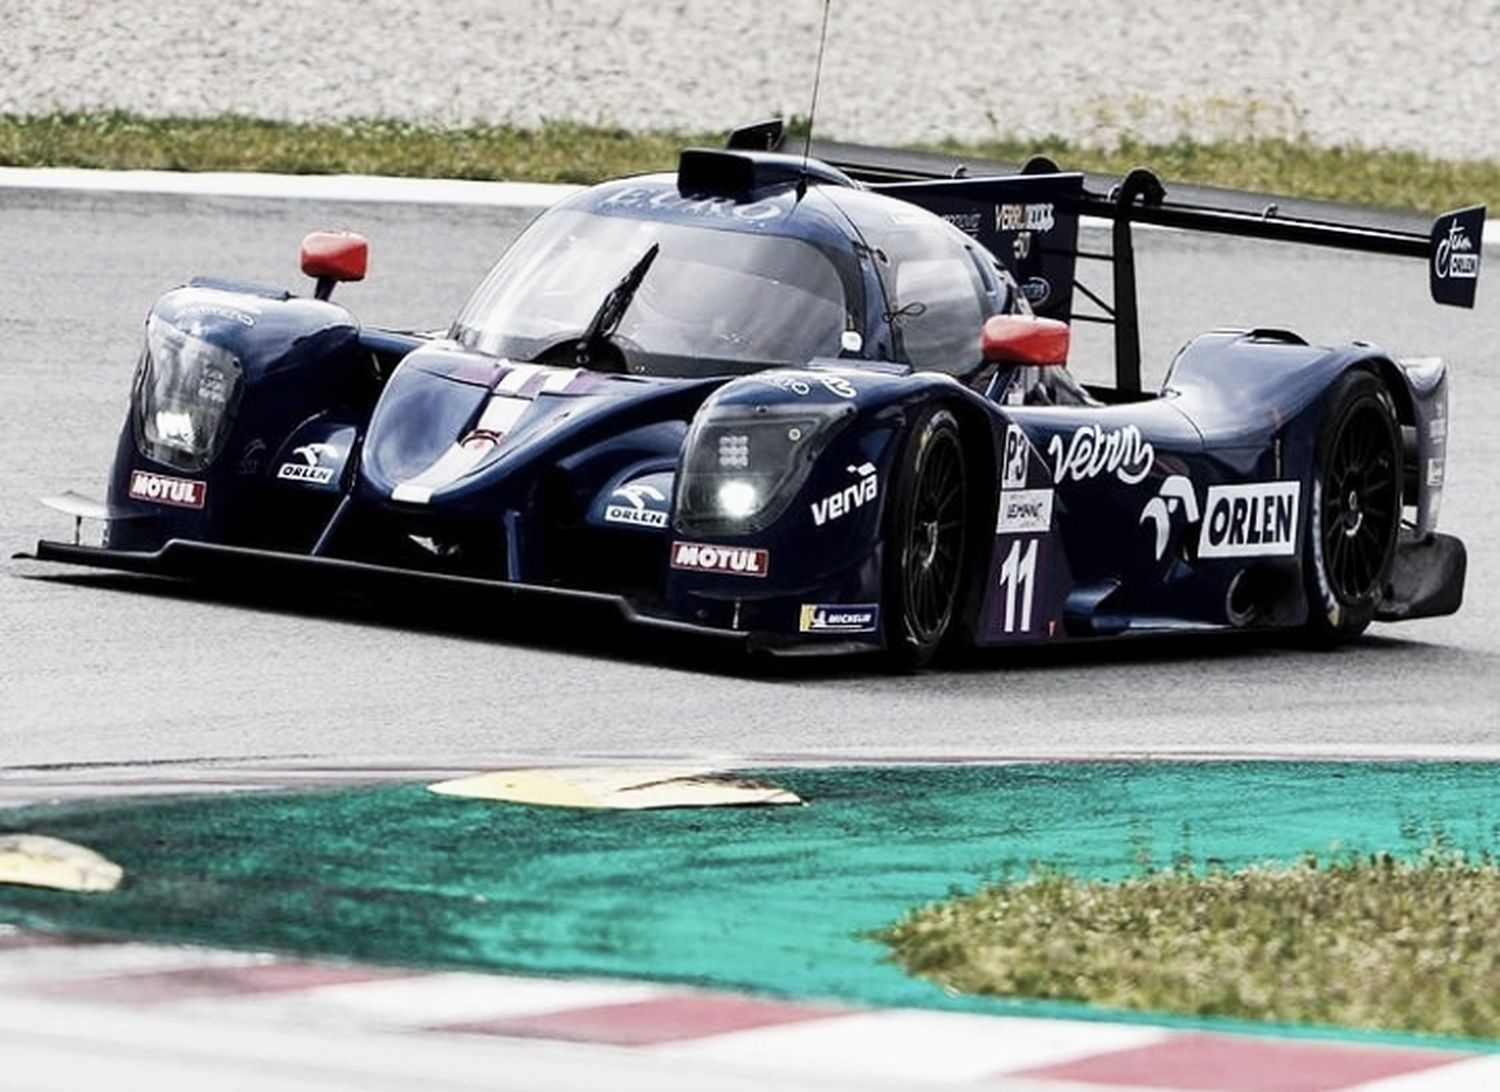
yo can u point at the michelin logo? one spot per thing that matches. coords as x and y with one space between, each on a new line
828 618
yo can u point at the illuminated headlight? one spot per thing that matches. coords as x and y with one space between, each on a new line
738 499
743 465
186 392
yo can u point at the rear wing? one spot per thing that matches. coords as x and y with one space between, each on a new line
1030 222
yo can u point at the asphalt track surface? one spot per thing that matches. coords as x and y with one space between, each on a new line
108 669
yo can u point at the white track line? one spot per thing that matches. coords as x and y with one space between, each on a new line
911 1045
425 1001
25 967
314 187
23 786
1471 1075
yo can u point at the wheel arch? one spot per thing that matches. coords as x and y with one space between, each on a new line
1398 389
978 437
1395 381
1335 615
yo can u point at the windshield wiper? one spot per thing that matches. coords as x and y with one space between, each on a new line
612 310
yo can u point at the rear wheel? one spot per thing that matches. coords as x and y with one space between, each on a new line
926 531
1356 509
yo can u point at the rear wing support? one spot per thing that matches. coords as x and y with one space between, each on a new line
1143 187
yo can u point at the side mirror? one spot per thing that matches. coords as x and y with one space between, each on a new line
333 256
1025 339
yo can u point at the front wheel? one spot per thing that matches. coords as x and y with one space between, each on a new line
925 534
1355 511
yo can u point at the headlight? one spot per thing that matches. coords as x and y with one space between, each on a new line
186 393
742 464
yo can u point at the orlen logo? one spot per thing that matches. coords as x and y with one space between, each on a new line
1256 520
637 511
312 468
735 560
160 489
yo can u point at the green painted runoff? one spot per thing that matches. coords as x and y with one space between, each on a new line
776 900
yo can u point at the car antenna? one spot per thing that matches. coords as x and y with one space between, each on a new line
813 109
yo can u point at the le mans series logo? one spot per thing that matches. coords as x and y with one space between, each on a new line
161 489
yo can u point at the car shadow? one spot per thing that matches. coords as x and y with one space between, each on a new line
585 629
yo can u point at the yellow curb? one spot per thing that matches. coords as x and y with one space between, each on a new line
35 860
632 789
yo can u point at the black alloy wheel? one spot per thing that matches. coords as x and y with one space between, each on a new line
1356 508
926 539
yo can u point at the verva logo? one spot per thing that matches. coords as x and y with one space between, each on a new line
160 489
846 500
735 560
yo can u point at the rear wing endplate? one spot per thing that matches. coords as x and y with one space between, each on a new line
1457 241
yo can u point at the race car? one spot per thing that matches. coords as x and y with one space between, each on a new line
806 408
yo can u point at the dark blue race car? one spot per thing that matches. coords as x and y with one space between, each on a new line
759 398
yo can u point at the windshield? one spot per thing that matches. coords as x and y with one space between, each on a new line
712 301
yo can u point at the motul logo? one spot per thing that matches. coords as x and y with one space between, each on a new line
160 489
737 560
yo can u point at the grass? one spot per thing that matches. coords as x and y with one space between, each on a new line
574 152
1372 943
557 152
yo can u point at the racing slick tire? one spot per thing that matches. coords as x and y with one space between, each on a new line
1355 512
926 536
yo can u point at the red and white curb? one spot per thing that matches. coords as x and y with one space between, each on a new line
725 1031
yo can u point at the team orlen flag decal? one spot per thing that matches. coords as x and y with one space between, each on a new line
733 560
161 489
1457 243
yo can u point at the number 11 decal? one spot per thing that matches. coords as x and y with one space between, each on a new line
1018 578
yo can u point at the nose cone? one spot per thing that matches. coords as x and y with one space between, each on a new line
421 416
